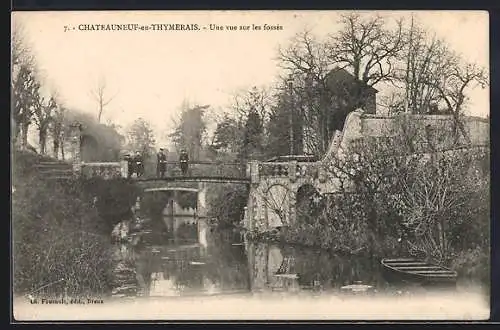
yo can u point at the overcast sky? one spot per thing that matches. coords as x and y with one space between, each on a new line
152 72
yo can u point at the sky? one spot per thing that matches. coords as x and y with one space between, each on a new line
150 73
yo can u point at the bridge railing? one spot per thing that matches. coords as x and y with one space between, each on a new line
106 170
202 168
291 169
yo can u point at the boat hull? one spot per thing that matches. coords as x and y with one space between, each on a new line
417 272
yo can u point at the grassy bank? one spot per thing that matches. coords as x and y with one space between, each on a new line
60 243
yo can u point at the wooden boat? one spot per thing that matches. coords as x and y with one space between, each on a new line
410 270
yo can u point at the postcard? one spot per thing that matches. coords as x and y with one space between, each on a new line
250 165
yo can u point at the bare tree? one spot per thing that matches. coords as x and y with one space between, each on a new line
99 95
24 84
432 75
424 62
57 130
402 184
25 98
20 50
304 90
43 116
364 46
276 200
257 99
453 86
367 47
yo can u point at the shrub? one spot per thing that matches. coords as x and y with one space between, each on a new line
58 240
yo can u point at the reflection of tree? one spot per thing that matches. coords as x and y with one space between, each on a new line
317 266
186 199
227 266
187 231
153 204
187 276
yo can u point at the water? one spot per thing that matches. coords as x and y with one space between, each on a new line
218 278
224 265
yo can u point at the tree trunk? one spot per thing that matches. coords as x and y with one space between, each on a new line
17 133
62 151
42 140
56 147
24 141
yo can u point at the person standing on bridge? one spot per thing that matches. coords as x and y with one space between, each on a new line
184 160
161 164
130 165
139 164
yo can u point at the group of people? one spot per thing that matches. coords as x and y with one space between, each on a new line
136 163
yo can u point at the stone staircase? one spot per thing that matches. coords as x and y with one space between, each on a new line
55 170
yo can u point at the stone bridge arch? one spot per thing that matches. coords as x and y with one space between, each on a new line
277 201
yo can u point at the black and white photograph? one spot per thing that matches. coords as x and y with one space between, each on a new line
250 165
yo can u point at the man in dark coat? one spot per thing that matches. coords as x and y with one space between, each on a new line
130 165
161 164
139 164
184 159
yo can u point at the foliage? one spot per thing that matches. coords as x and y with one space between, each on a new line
108 142
25 96
421 72
43 116
364 47
473 265
25 84
57 131
283 120
403 188
141 138
58 239
252 136
228 135
242 133
115 197
226 204
190 131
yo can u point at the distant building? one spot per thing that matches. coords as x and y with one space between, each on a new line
346 94
348 90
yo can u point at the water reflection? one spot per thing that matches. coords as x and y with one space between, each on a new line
289 268
222 265
185 268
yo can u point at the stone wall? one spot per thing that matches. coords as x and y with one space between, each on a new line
435 128
441 127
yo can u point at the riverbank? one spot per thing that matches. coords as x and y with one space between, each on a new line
268 306
472 265
61 244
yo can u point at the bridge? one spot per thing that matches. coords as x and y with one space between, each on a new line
174 215
276 185
198 179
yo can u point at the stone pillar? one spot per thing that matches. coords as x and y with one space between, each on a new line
201 213
202 231
124 168
201 208
292 201
292 170
76 132
254 172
